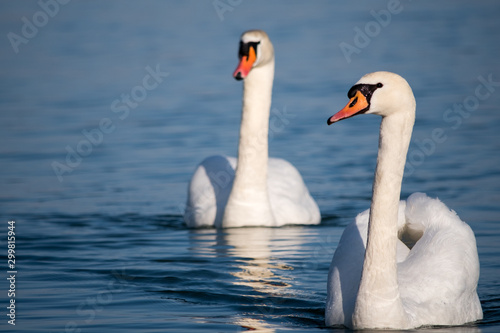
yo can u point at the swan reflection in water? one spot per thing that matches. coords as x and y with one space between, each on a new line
253 259
257 268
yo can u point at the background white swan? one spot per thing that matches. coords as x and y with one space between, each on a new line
420 266
253 190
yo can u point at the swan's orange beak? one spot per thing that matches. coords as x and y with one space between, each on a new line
356 104
245 65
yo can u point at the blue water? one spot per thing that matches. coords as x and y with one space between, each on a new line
101 244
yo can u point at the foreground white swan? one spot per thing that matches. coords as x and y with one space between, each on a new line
254 190
430 280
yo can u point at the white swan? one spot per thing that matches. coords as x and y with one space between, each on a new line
253 190
431 279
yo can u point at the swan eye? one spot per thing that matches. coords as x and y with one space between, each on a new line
354 101
379 85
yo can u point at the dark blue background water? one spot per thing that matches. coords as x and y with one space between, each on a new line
103 247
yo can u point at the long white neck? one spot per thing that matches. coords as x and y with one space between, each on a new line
378 304
248 203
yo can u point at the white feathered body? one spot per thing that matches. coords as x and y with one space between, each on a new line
437 277
212 182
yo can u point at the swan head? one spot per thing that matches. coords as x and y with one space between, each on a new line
380 93
255 50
